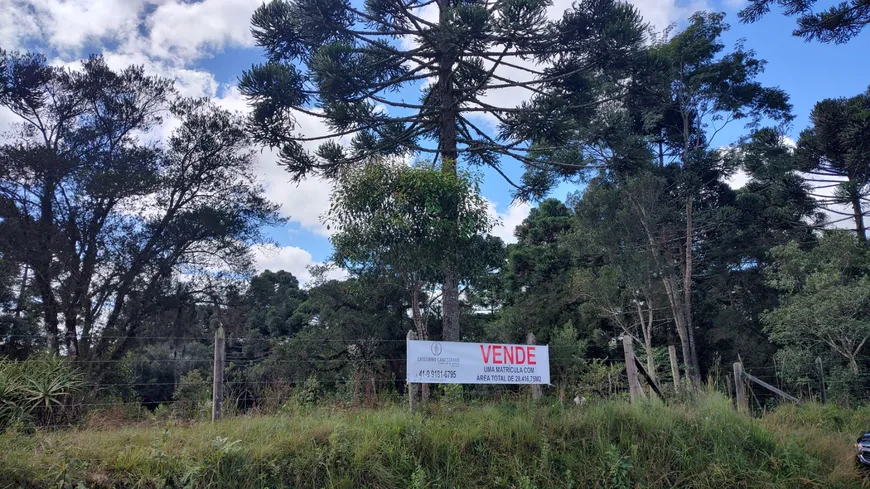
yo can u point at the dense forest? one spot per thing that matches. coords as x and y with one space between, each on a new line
122 252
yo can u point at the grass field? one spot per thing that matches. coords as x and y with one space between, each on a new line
606 445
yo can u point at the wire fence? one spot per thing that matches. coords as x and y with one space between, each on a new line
260 377
172 378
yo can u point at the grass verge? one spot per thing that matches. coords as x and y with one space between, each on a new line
609 445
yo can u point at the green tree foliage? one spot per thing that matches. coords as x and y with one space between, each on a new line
107 221
272 301
616 276
344 64
824 310
838 24
403 222
568 358
354 339
658 148
835 152
537 292
773 208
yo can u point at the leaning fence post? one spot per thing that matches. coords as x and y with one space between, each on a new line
412 388
536 388
675 368
631 368
740 388
217 390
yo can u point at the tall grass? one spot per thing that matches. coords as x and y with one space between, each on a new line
608 445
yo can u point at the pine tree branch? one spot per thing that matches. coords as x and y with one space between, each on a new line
825 172
839 213
515 66
398 104
408 55
415 19
398 29
355 129
409 76
510 83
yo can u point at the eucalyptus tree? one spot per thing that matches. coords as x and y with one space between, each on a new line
401 222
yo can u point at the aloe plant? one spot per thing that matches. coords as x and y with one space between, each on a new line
41 387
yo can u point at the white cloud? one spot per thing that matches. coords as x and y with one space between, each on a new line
189 82
738 179
662 13
289 258
6 120
305 202
192 30
19 24
67 25
166 29
508 220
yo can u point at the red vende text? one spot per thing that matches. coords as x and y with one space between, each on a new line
514 354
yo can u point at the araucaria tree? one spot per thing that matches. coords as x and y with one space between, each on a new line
835 154
839 23
412 78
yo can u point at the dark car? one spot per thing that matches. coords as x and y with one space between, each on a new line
862 448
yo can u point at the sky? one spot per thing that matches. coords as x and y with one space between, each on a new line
205 45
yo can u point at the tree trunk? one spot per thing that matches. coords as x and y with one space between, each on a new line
422 331
87 328
416 314
646 330
687 291
678 312
450 308
448 152
71 339
859 218
42 269
853 364
22 290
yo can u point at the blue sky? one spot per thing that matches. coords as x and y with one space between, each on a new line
206 44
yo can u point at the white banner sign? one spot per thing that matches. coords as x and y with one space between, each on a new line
448 362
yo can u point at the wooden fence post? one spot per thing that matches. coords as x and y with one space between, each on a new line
740 388
822 380
675 368
217 390
412 388
537 392
631 369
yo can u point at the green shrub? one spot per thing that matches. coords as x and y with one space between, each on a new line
39 391
309 393
192 396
